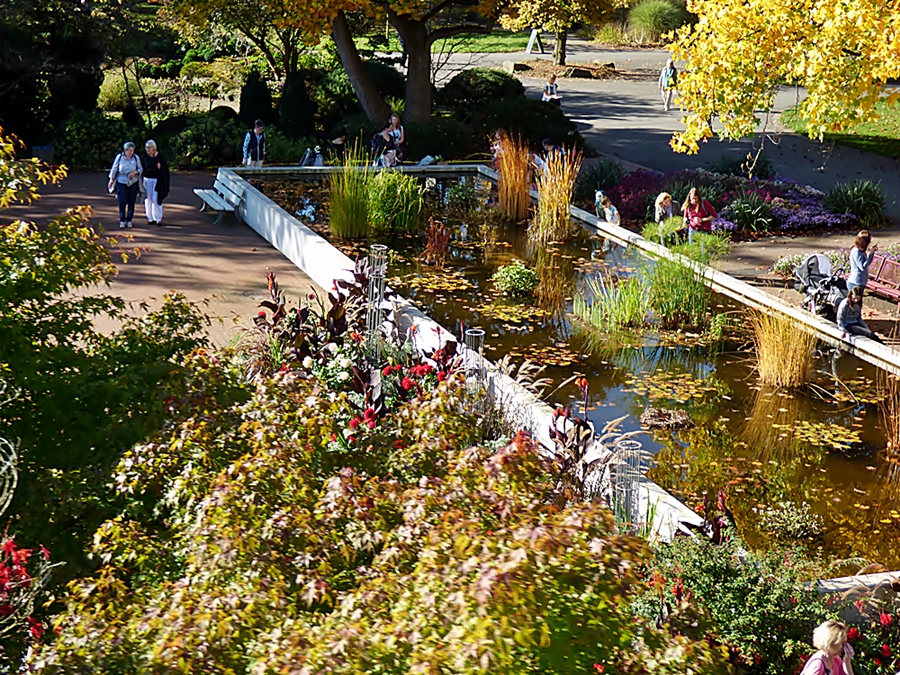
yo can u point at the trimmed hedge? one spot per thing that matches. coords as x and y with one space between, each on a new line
444 136
336 85
477 87
532 119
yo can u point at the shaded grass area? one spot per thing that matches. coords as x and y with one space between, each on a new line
881 137
497 41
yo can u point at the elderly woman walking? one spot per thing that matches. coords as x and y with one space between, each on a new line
156 182
125 179
860 261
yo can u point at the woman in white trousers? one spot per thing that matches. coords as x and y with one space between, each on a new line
156 182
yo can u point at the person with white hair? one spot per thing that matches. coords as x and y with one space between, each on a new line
156 182
124 180
834 652
668 82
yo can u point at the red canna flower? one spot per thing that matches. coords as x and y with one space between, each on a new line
371 424
853 633
387 371
406 384
369 414
885 651
886 619
355 422
877 661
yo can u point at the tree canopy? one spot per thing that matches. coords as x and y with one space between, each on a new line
740 51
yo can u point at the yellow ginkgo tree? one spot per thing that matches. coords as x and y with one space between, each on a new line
842 52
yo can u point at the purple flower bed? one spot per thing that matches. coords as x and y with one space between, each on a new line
791 206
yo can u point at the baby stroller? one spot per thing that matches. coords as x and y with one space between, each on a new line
823 288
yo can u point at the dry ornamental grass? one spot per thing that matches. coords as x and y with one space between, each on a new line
555 185
515 180
784 354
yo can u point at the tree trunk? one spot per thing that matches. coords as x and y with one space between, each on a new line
559 49
369 97
418 69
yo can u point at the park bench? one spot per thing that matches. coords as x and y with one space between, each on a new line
221 198
884 277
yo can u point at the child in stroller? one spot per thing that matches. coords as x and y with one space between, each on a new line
823 288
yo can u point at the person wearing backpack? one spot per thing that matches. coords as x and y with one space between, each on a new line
255 145
668 81
698 214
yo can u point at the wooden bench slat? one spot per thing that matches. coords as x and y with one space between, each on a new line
226 193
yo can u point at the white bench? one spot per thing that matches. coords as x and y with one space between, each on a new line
221 198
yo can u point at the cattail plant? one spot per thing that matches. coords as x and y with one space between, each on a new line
349 216
784 354
888 386
515 170
555 185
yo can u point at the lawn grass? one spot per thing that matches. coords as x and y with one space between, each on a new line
881 136
498 41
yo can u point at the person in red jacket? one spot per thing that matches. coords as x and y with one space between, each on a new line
698 213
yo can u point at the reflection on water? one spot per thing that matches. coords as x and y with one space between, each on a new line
769 449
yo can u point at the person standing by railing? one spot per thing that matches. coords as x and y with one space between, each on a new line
255 145
860 261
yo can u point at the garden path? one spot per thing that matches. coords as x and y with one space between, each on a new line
224 267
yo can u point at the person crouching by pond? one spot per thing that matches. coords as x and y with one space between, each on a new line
610 212
698 213
664 208
860 260
834 653
156 182
849 316
124 179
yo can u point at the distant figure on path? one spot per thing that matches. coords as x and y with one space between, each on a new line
551 92
255 145
668 82
125 180
849 316
698 213
156 182
859 261
834 652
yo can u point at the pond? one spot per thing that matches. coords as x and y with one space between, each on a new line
805 466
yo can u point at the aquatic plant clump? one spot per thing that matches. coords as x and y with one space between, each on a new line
555 185
678 297
395 202
614 304
349 208
515 177
783 354
516 279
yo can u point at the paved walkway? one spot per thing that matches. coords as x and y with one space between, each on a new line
224 266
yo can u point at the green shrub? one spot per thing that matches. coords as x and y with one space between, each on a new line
114 94
530 118
296 113
600 176
388 80
205 141
477 87
256 101
446 137
750 212
516 279
653 18
737 166
863 198
282 150
395 202
91 140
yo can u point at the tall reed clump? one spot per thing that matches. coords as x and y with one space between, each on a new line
515 183
678 297
349 207
396 201
613 305
888 386
784 354
555 185
437 238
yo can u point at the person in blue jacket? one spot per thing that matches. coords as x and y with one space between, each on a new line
860 260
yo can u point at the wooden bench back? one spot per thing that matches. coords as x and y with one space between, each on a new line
886 272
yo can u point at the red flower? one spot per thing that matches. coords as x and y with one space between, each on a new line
441 376
599 667
406 384
371 424
853 633
886 620
369 414
877 661
35 627
6 610
678 590
355 422
387 371
352 439
262 314
333 437
398 368
885 651
311 296
9 546
398 444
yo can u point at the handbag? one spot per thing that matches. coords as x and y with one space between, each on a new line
115 170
